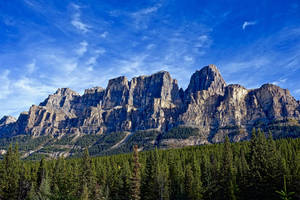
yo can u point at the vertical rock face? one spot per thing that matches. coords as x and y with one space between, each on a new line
6 125
116 93
276 102
6 120
208 78
156 102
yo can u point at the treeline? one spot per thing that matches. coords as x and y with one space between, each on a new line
261 168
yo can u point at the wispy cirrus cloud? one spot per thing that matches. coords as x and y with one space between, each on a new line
31 67
83 48
266 60
146 11
104 34
4 84
77 21
248 23
141 17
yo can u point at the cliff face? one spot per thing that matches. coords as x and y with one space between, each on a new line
156 103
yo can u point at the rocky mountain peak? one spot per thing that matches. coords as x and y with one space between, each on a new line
93 90
208 78
276 102
116 93
119 81
60 99
65 92
5 120
155 102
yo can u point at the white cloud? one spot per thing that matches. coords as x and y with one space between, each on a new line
59 62
250 63
90 68
75 6
203 41
104 34
147 11
142 17
77 22
92 60
188 58
100 51
82 49
280 81
31 67
70 67
248 23
150 46
4 84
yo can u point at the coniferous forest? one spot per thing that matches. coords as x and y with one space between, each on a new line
261 168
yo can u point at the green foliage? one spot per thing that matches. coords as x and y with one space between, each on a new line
87 140
135 193
25 142
181 132
284 194
105 142
280 128
35 156
50 149
245 170
66 140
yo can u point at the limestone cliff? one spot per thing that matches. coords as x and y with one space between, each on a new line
155 102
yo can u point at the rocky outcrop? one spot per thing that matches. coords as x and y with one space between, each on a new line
155 102
6 125
209 79
6 120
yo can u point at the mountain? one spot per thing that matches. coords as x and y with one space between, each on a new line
151 111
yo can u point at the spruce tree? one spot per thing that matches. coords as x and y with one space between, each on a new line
228 181
88 173
197 182
188 183
163 181
85 192
258 166
10 174
43 185
149 188
135 180
125 177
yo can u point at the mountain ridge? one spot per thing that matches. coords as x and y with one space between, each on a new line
156 103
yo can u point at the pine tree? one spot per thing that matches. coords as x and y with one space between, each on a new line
88 173
243 170
32 194
177 175
188 182
149 188
197 183
85 192
43 185
135 180
24 184
10 174
163 181
125 177
228 181
258 166
59 186
284 194
74 181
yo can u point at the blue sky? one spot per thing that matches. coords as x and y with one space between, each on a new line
47 45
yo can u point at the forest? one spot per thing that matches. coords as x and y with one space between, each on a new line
262 168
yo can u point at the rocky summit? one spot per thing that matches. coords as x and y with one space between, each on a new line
153 112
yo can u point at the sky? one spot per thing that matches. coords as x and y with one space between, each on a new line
45 45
